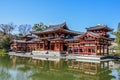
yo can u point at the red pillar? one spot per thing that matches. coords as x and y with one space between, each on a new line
44 46
61 46
84 51
68 48
72 49
100 49
78 49
103 50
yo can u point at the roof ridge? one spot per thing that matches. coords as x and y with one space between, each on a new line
64 23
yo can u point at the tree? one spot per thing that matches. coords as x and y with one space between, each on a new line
39 27
7 28
5 43
117 34
24 29
119 25
6 35
117 39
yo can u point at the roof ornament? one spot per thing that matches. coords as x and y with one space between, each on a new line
99 24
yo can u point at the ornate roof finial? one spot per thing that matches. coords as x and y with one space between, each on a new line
99 24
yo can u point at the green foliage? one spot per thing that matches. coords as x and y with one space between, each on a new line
117 40
39 27
114 33
6 35
2 52
5 43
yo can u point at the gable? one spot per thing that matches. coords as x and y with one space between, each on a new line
89 36
58 26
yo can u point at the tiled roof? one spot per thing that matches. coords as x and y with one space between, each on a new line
98 35
22 41
79 35
91 33
58 26
72 38
29 35
99 27
106 38
53 28
94 34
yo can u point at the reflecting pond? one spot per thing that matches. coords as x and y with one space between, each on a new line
18 68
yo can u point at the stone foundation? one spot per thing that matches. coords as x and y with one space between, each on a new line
48 53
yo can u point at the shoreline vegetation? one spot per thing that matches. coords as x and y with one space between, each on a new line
8 33
2 52
116 46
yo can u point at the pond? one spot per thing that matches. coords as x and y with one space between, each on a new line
18 68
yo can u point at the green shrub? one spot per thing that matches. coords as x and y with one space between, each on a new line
2 52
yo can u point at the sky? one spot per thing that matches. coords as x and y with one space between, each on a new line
78 14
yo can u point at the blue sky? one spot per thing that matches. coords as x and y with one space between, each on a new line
78 14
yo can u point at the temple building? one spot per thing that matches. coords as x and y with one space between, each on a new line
59 39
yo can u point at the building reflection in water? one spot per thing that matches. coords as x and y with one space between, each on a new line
90 70
77 69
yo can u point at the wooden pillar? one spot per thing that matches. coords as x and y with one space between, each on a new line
103 50
85 51
43 45
78 49
96 49
61 46
55 46
17 47
68 48
107 50
100 49
72 49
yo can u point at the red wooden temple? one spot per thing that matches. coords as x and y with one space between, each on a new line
60 38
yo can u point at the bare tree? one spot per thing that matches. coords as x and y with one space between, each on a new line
24 29
7 29
11 27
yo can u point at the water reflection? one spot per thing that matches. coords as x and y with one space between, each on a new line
18 68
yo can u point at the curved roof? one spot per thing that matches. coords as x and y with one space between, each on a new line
99 27
59 27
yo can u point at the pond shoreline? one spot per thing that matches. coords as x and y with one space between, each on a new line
86 58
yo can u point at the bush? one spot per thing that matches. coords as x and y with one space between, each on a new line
2 52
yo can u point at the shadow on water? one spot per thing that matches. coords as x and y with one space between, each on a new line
18 68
